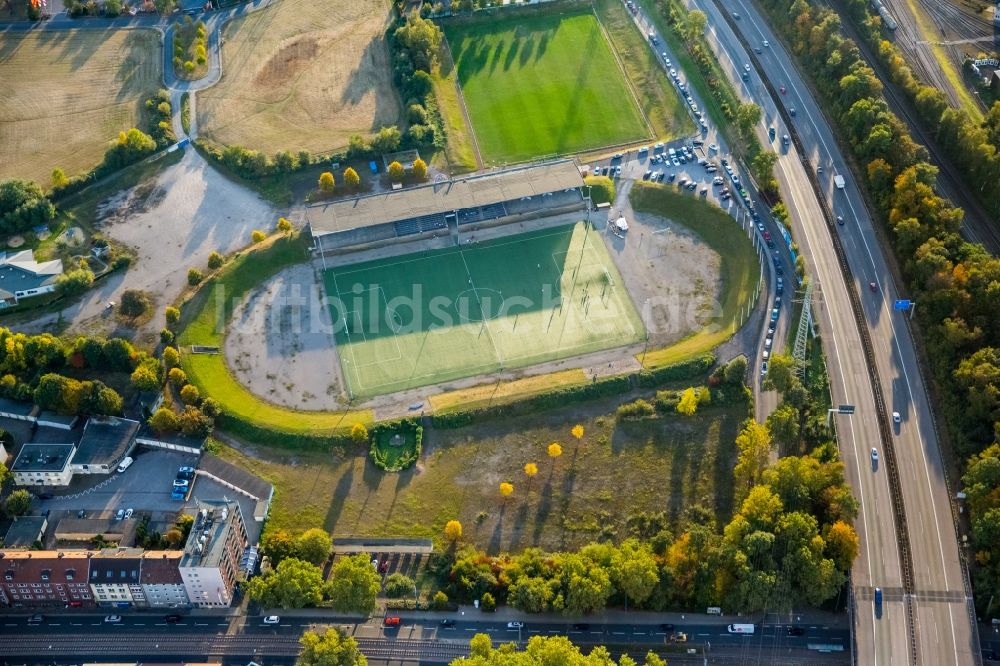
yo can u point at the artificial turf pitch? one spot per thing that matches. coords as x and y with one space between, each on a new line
543 85
418 319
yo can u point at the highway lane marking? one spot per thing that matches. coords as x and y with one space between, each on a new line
200 624
470 629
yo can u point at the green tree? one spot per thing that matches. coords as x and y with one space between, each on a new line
748 115
332 648
531 594
194 276
314 546
18 503
781 374
783 424
75 281
23 204
602 189
396 172
354 584
326 182
215 261
59 178
134 303
146 377
694 25
398 585
736 370
5 476
292 584
172 314
386 140
635 571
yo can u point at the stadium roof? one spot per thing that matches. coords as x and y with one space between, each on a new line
443 197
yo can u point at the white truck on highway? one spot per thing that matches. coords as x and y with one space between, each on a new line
839 182
741 628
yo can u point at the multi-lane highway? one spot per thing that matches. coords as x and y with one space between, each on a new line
416 637
941 622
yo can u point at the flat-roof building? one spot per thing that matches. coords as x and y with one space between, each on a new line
105 441
440 207
43 465
210 566
25 531
21 276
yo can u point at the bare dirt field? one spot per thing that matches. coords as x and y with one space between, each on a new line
302 75
280 342
66 94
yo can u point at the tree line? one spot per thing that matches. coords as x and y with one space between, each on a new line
955 283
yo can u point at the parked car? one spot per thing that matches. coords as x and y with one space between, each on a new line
125 463
763 368
128 513
391 621
120 515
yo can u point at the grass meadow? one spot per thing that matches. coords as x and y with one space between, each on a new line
543 85
67 94
617 470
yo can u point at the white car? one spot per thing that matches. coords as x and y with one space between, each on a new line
896 418
673 72
746 67
113 619
128 514
514 624
675 162
767 43
120 515
874 455
713 147
272 619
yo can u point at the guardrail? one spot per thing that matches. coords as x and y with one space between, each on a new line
885 434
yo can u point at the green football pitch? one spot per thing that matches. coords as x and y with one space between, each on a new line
543 85
426 318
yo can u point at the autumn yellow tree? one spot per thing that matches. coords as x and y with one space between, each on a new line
419 169
359 433
284 225
351 178
577 432
506 489
688 404
257 236
453 530
326 182
555 450
396 172
530 470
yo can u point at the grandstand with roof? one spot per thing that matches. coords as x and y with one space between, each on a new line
447 206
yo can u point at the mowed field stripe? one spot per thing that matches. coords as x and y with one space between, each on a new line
543 85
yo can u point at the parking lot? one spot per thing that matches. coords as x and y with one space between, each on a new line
145 488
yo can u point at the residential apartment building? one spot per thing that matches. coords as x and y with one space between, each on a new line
161 579
114 578
43 465
45 579
210 565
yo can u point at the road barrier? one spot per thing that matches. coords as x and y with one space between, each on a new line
885 433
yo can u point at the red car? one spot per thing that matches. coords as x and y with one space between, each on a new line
767 235
392 621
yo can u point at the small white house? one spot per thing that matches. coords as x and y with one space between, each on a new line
22 277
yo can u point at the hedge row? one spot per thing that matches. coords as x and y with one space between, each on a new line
243 428
599 388
391 427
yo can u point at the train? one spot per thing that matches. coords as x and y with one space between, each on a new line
883 11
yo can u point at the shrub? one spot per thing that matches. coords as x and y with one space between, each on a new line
635 410
351 178
194 276
602 189
134 303
419 169
215 261
177 377
163 421
171 358
487 604
385 429
440 601
75 281
172 314
396 172
166 336
397 585
257 236
284 225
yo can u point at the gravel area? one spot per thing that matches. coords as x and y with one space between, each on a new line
173 222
